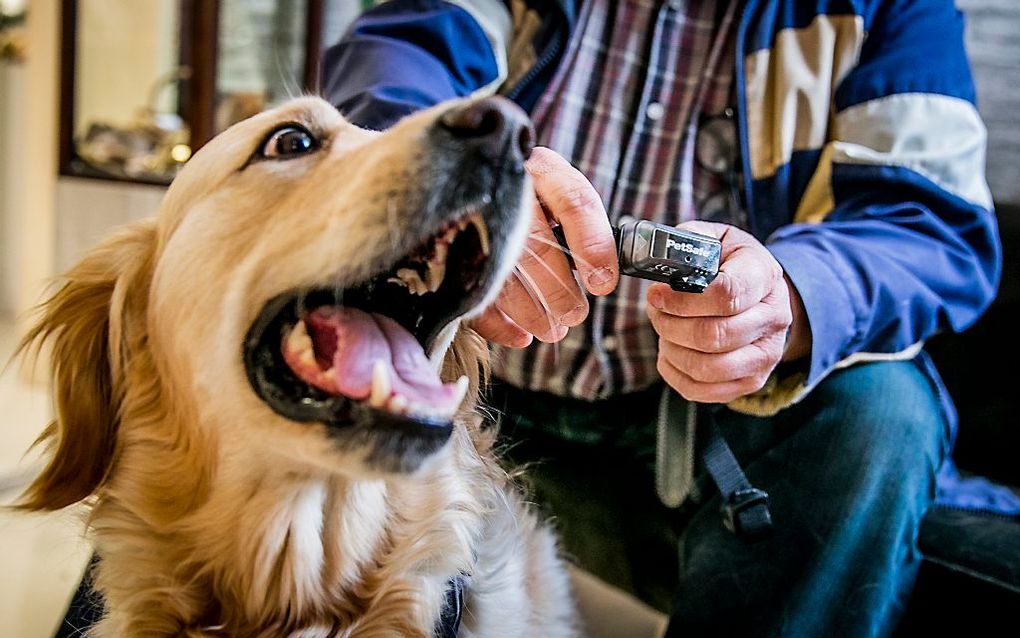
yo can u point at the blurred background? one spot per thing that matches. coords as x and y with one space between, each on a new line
101 101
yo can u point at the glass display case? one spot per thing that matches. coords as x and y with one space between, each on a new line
145 84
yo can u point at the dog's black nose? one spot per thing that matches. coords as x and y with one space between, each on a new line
495 126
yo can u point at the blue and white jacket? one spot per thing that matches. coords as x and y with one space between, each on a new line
863 155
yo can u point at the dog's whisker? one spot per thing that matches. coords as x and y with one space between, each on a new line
545 240
530 287
570 288
287 80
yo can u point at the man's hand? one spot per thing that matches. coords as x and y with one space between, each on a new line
542 298
724 343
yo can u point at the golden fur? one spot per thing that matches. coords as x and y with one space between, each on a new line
211 514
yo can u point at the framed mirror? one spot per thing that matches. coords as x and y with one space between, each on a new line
146 84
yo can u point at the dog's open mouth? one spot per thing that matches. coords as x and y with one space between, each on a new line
369 357
358 354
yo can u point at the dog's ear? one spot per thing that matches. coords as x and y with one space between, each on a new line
90 327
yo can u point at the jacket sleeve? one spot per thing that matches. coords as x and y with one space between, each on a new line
405 55
898 240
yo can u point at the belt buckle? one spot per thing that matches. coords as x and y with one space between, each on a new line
740 502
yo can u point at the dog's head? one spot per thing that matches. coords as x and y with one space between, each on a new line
296 295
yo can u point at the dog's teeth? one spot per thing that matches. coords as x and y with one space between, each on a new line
397 404
298 338
483 232
436 270
435 275
299 343
407 275
381 386
412 280
440 253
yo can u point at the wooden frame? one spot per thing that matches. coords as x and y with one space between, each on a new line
198 38
68 63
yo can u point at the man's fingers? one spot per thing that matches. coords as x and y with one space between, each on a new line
523 308
545 264
722 298
694 390
492 325
570 199
724 343
747 273
716 334
742 282
756 360
541 296
524 304
725 334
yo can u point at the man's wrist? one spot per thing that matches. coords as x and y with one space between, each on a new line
798 338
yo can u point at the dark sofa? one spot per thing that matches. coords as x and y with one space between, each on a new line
969 583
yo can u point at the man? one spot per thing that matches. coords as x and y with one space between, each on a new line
834 149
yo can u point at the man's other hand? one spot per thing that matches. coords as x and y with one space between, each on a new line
724 343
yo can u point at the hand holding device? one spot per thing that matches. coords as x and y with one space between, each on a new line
685 260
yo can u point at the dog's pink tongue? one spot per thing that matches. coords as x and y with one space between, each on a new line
353 341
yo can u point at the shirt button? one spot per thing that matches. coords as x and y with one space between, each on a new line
655 111
609 343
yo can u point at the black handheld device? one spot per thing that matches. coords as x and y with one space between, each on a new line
685 260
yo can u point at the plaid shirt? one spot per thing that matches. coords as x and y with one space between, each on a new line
624 109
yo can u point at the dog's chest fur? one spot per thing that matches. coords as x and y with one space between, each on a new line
281 556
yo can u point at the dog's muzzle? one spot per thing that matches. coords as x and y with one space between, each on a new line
354 356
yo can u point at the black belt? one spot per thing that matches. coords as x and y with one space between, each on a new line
745 508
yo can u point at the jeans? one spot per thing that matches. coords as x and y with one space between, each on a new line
850 471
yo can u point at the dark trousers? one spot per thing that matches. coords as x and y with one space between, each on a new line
850 471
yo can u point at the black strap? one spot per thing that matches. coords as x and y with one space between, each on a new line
86 608
449 621
745 508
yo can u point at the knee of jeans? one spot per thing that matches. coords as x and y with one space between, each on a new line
882 417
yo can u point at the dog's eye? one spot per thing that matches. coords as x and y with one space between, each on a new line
289 141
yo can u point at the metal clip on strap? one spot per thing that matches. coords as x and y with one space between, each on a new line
745 508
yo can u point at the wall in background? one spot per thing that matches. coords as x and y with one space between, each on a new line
339 15
28 110
993 41
89 209
12 77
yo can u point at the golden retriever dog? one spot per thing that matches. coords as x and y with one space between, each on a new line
267 396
